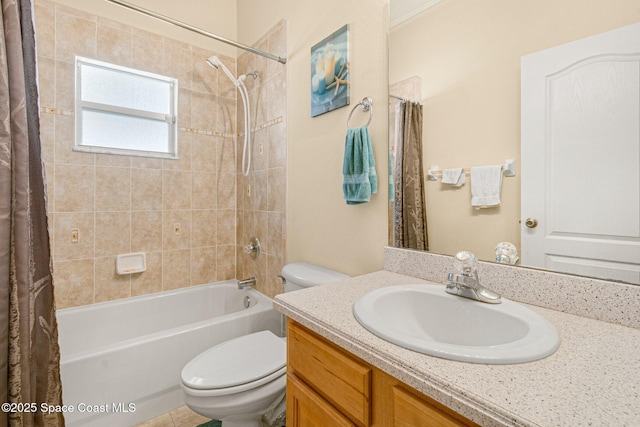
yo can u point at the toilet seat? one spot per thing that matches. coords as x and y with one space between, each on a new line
237 365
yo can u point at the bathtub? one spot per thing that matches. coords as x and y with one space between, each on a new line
121 360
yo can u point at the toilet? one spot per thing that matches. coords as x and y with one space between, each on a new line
240 380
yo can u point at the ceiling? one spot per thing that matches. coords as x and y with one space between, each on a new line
403 10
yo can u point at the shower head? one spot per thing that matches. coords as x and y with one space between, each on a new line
215 62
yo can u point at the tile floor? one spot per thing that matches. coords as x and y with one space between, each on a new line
181 417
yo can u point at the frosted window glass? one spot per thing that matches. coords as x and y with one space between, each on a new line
111 130
124 89
125 111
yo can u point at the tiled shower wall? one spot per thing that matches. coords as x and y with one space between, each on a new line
262 194
181 213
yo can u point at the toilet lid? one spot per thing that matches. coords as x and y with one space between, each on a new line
238 361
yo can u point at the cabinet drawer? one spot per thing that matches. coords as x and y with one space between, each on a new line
331 372
410 410
306 408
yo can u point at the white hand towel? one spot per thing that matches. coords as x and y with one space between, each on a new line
486 186
454 177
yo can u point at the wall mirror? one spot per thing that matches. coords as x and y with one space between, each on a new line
462 61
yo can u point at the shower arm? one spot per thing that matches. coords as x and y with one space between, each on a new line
197 30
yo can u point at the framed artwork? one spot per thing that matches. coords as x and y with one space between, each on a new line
330 72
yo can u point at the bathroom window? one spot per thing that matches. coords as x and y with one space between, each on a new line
120 110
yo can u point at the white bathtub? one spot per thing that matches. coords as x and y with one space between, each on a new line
121 360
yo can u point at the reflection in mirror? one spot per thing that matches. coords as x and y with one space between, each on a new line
462 61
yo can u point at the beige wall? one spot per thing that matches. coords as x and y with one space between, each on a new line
124 204
468 56
321 228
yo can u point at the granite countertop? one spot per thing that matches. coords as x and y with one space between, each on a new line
592 379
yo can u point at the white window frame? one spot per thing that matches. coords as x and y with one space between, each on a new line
171 118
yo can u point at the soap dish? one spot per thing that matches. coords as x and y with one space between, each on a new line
131 263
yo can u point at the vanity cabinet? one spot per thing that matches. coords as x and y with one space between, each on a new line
326 385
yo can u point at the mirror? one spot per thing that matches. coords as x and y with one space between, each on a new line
461 61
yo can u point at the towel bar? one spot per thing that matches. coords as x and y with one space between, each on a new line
509 169
365 105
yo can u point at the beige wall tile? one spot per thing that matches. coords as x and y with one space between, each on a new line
276 103
203 228
74 35
176 269
146 231
113 189
204 153
146 52
47 76
149 281
65 82
172 240
204 191
63 224
47 137
113 233
260 152
203 265
273 284
225 192
226 114
226 227
203 111
176 190
146 189
114 44
110 285
73 281
177 62
45 29
226 262
226 155
276 190
113 160
74 188
184 108
258 198
274 242
277 143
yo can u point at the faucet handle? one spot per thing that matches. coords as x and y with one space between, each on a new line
466 263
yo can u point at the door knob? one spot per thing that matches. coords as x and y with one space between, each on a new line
531 222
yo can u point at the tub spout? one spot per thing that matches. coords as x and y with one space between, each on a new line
251 281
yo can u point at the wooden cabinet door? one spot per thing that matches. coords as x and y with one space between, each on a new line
307 409
411 411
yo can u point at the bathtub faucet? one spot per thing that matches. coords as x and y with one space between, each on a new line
251 281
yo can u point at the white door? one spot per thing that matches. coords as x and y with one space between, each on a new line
581 156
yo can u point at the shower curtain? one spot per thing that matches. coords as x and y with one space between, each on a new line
410 218
29 352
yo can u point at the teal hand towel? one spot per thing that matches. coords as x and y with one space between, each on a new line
359 167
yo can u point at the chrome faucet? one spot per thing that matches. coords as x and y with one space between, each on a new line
466 284
245 283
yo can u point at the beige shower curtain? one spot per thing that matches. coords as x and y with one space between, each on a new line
410 218
29 353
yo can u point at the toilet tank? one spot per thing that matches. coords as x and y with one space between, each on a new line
301 275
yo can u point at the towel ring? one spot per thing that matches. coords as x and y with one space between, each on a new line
365 105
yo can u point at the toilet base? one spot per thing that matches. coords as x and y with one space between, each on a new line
243 409
243 423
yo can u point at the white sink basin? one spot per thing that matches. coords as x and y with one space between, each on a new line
428 320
